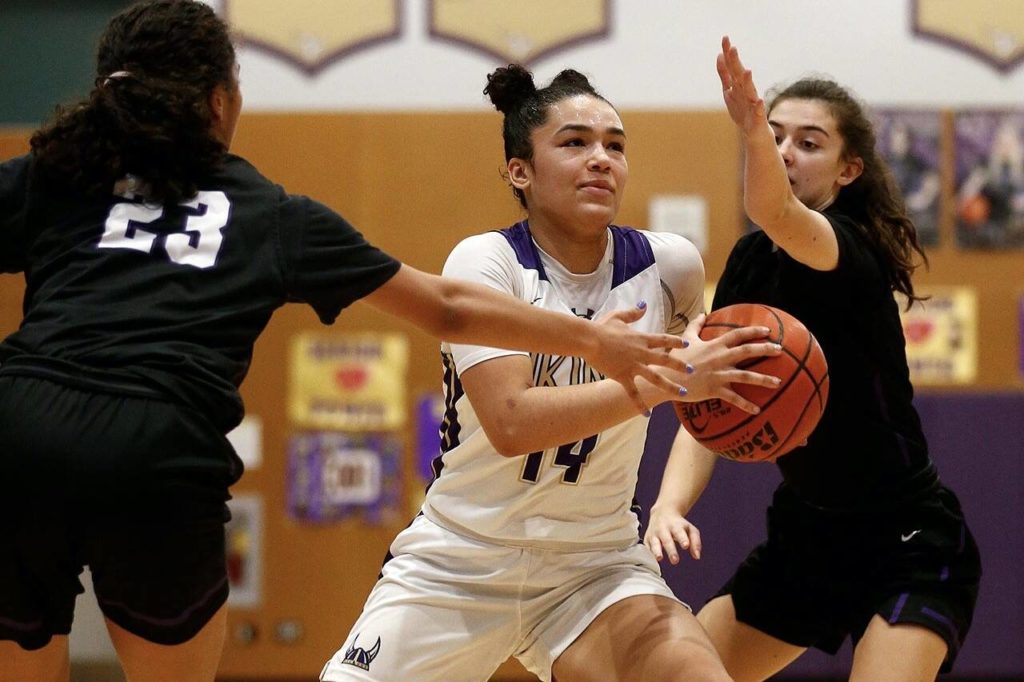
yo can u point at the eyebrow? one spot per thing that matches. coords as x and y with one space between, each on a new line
809 128
578 127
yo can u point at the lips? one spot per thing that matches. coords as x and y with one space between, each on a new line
598 185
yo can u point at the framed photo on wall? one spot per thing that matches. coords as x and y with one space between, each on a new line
910 142
989 179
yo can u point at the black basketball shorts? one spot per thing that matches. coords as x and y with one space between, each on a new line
821 577
133 487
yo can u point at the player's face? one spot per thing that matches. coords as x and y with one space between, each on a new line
812 149
578 172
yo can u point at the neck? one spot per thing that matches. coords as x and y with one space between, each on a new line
579 251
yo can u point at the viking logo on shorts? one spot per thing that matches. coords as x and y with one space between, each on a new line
359 657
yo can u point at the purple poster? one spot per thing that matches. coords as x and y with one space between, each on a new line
1020 337
429 413
990 179
910 142
334 476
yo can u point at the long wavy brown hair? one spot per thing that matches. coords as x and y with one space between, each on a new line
873 199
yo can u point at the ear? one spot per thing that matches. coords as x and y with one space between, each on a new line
520 173
218 102
852 170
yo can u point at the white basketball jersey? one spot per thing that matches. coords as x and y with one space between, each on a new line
580 494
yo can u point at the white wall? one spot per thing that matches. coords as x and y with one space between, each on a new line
660 54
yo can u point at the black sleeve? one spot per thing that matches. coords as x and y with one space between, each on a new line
858 261
726 291
13 197
328 262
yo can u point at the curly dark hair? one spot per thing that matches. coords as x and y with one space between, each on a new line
152 118
513 93
874 198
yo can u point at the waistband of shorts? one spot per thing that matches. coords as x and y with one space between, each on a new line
79 376
902 494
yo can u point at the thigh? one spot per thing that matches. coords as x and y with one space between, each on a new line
445 608
748 653
194 660
643 638
48 664
570 591
897 653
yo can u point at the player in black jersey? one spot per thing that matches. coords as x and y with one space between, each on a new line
153 260
863 540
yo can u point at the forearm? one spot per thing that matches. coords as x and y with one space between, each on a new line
548 416
766 190
687 473
485 317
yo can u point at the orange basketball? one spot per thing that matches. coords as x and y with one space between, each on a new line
788 413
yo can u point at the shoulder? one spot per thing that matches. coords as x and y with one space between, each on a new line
14 174
478 249
856 252
669 246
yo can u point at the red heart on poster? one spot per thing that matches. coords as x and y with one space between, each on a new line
918 330
351 378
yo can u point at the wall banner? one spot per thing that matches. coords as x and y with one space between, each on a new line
348 382
942 336
334 476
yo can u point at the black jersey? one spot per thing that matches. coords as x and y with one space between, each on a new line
868 449
172 297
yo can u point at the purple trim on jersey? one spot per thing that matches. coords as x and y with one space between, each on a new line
632 254
18 625
450 428
177 620
898 608
519 239
945 622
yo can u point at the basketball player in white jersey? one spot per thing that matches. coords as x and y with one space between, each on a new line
527 544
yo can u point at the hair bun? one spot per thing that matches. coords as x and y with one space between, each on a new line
573 79
509 85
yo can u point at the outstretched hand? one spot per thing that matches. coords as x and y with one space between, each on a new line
624 355
713 365
741 99
667 532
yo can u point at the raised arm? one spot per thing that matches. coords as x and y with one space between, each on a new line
768 196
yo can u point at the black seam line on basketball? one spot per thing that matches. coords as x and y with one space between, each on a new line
775 396
801 368
782 446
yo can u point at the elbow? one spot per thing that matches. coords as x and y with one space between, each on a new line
505 445
507 441
451 320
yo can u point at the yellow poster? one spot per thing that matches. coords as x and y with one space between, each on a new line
942 336
313 33
522 31
348 382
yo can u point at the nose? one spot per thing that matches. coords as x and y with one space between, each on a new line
598 158
786 150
